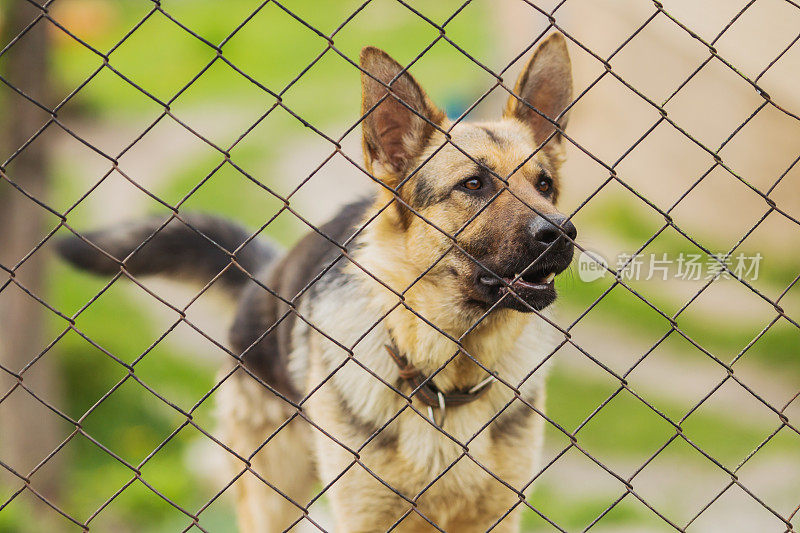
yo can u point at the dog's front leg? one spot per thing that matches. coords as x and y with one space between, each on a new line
472 524
360 503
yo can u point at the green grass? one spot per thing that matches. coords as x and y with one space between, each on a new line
627 427
623 435
634 225
571 513
723 338
271 49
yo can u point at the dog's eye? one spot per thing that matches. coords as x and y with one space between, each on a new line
544 184
472 184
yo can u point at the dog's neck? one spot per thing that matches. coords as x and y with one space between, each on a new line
426 324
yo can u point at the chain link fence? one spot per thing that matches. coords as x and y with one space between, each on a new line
625 496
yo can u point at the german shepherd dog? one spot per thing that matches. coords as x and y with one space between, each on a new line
397 356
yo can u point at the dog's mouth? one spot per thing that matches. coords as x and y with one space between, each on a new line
539 279
531 289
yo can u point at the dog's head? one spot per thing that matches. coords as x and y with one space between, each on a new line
488 186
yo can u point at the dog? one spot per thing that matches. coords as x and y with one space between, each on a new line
397 356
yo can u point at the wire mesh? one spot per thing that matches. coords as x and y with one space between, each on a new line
194 517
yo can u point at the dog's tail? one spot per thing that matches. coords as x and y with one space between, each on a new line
195 248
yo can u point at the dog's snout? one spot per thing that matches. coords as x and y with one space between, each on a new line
548 229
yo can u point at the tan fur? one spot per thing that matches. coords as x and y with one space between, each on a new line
409 454
422 453
249 414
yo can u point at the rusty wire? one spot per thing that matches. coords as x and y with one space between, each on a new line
193 517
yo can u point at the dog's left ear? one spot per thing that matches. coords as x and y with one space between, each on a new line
546 84
394 133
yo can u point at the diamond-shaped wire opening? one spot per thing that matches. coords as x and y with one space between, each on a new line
659 41
681 480
290 46
149 48
768 39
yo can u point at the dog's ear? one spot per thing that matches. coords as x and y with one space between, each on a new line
394 133
546 84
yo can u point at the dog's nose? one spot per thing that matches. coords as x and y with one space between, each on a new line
548 229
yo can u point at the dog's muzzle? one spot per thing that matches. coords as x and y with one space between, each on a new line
525 281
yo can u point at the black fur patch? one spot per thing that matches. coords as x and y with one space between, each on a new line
426 194
386 437
509 423
260 310
198 249
493 136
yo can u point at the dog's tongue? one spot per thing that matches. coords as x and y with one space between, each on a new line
544 282
526 284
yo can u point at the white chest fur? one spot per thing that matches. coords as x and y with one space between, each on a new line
362 383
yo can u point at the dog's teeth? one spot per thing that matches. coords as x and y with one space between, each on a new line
550 277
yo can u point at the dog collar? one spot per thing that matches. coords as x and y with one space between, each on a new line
429 394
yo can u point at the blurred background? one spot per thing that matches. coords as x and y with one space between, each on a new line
114 152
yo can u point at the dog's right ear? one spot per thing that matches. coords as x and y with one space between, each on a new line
545 84
396 131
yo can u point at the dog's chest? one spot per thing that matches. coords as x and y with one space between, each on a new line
358 405
447 470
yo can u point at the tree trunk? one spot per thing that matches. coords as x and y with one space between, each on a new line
28 430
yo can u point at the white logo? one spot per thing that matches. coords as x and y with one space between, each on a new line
591 266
